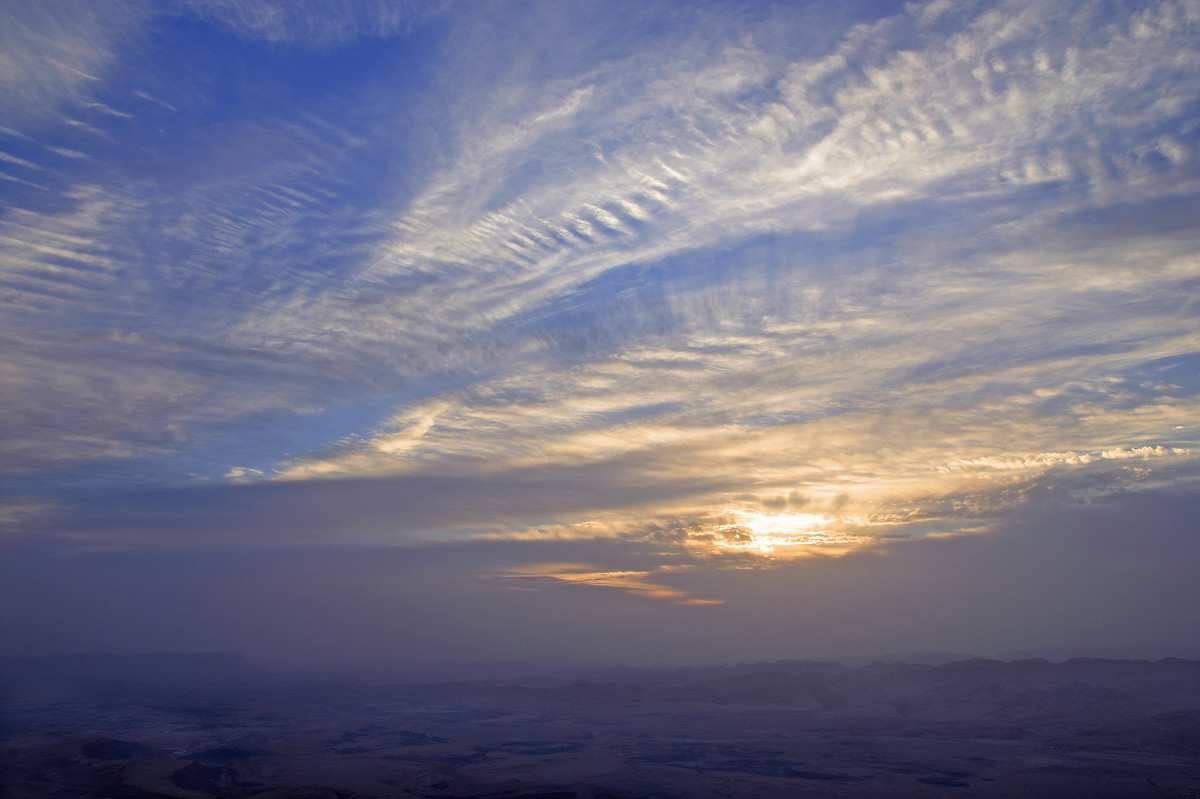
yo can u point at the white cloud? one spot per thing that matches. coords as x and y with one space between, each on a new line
1044 460
242 474
702 160
318 24
54 54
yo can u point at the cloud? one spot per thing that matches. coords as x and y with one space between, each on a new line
242 473
1047 459
17 512
316 24
873 142
631 582
908 269
404 510
53 55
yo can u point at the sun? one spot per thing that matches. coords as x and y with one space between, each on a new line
777 533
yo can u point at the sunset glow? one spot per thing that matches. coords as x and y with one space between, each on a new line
780 533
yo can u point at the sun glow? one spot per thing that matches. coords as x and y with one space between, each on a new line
768 533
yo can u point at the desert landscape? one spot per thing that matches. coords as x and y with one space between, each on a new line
199 726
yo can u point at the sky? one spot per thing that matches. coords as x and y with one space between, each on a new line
625 331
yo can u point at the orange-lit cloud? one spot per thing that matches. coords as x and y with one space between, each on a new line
630 582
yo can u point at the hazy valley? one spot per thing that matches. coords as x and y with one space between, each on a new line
201 726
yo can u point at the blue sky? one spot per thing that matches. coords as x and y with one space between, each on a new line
647 330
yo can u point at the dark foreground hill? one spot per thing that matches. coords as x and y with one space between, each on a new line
211 726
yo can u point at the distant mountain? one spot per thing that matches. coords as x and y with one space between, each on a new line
1055 655
927 658
152 667
1059 654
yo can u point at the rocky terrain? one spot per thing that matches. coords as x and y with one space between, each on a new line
195 727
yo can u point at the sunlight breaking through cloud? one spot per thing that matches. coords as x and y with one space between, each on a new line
784 534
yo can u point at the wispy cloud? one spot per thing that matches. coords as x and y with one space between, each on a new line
905 271
54 54
316 24
631 582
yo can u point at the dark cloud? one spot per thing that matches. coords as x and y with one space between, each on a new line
348 511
